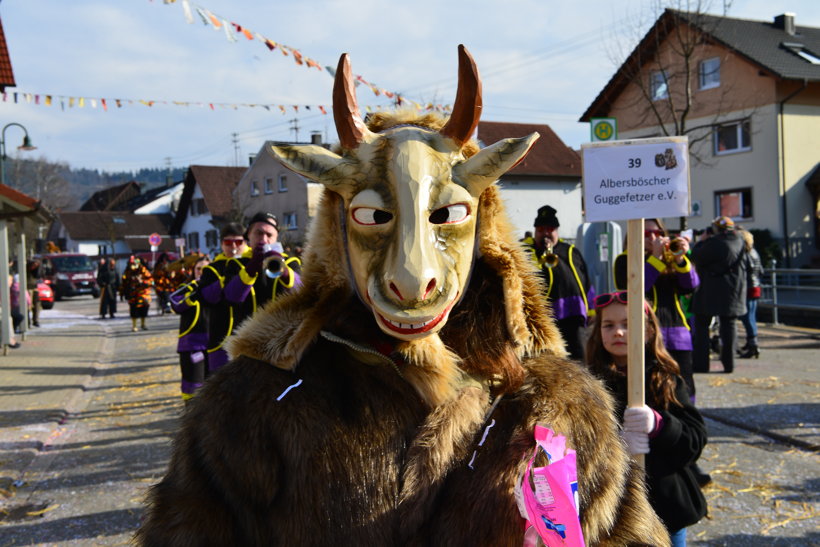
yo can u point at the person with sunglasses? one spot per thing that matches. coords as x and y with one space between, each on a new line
564 271
668 429
219 310
668 275
263 272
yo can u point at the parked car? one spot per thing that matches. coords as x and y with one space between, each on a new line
70 274
46 295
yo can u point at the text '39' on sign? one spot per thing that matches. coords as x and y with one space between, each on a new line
639 178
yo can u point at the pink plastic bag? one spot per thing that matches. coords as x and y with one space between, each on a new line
551 510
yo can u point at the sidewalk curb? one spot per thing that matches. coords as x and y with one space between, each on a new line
786 439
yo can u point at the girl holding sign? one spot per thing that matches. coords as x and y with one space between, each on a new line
667 428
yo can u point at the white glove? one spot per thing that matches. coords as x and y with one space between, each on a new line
639 419
636 443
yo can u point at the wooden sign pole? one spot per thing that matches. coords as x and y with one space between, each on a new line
635 312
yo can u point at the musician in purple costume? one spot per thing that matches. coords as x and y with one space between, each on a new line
214 278
261 273
193 333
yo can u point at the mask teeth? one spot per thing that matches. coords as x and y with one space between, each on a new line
411 326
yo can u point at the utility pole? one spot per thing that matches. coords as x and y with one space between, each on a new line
169 178
235 142
294 126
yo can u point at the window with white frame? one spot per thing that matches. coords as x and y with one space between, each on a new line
732 137
735 204
658 85
283 183
290 221
268 185
254 188
709 73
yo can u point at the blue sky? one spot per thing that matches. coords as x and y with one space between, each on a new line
542 61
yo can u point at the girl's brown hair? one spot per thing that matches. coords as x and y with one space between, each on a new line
662 377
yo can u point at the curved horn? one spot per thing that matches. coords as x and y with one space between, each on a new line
349 124
467 108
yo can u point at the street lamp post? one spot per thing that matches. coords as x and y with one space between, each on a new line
6 332
25 146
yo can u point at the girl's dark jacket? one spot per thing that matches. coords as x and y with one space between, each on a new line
321 432
673 491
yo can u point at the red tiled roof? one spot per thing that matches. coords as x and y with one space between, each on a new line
216 185
6 73
19 198
548 156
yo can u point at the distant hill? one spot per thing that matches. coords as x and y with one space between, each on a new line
63 188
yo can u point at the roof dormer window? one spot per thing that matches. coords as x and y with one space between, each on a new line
801 51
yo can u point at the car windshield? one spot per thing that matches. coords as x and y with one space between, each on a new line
72 263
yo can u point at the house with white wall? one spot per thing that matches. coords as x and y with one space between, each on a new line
205 205
549 175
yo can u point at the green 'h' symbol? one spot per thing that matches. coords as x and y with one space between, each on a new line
603 130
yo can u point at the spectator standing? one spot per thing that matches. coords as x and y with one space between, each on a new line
754 271
667 428
564 272
262 272
193 332
211 284
108 279
136 287
163 284
668 274
720 262
14 298
33 276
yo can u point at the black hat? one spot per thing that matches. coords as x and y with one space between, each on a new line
546 217
231 229
267 218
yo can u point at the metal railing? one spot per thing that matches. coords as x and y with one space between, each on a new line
790 289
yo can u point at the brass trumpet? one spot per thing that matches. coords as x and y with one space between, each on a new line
274 265
673 251
548 259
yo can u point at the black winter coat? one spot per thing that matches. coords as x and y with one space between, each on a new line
722 269
673 491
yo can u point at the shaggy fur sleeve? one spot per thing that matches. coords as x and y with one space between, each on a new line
213 492
613 499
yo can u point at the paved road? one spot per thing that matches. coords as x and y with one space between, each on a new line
87 410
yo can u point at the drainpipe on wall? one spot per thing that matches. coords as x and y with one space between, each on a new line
786 242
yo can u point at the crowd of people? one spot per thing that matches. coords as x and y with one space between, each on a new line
689 286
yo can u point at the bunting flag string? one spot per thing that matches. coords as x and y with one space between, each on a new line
48 99
231 29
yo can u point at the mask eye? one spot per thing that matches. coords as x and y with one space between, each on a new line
369 216
451 214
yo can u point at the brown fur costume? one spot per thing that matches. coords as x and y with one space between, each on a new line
374 450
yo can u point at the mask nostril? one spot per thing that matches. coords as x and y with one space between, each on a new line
430 286
396 291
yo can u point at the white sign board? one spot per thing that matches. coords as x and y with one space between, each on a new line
640 178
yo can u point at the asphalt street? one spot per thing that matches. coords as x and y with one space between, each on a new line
88 410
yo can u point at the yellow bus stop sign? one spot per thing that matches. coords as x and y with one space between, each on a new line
603 129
